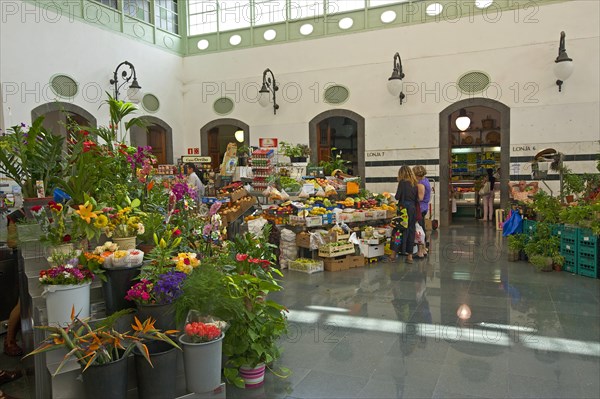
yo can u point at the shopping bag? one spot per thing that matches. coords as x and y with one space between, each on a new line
419 234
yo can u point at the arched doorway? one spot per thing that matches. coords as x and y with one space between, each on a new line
62 118
483 140
158 135
216 134
341 129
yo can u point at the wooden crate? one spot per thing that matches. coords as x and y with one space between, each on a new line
340 250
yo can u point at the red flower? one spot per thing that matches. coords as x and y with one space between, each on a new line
176 211
36 208
67 238
176 233
88 145
241 257
186 261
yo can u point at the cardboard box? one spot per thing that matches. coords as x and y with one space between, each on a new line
336 265
312 221
371 251
356 260
303 239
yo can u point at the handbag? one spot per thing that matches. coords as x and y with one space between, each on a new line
485 190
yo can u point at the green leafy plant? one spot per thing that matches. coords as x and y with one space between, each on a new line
542 246
31 155
547 208
516 242
295 150
335 162
243 150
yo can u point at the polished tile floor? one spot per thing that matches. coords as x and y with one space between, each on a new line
390 330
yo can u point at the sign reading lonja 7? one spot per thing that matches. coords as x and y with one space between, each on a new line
195 159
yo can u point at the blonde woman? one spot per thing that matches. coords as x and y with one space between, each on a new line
407 195
424 194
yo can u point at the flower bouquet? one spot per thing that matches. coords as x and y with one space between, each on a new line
164 289
54 220
121 222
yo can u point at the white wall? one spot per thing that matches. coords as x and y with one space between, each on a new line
518 55
36 46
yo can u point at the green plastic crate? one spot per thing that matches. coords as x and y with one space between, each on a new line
586 237
529 227
587 267
568 249
569 234
570 264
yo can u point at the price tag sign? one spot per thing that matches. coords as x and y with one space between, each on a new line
267 143
196 159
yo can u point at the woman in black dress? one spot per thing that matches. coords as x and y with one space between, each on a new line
407 196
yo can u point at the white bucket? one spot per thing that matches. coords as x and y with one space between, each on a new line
60 300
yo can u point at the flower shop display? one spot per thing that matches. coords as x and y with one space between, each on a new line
202 352
101 350
66 286
122 224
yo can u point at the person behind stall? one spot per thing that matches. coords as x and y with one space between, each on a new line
424 185
408 195
14 319
523 191
194 181
487 195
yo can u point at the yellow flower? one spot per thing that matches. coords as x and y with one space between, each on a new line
86 213
101 222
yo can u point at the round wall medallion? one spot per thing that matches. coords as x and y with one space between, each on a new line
64 86
150 102
223 106
168 41
139 30
336 94
473 82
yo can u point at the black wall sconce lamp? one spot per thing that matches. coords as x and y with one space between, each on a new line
394 83
126 75
268 86
563 65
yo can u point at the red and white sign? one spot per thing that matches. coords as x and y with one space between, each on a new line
193 151
267 143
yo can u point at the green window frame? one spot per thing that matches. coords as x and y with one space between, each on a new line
166 15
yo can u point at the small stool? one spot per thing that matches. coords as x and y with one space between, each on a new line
499 218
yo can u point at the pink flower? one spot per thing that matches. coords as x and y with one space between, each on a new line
241 257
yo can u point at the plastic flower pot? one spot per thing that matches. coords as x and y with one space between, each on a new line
164 314
202 363
253 377
60 300
156 381
119 281
106 381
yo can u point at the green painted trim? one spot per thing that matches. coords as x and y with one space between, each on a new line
114 20
365 19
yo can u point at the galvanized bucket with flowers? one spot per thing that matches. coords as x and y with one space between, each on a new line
202 344
66 286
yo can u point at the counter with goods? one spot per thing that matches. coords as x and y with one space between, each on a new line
340 230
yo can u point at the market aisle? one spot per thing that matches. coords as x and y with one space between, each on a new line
391 330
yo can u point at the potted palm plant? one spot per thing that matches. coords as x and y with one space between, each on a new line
32 158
